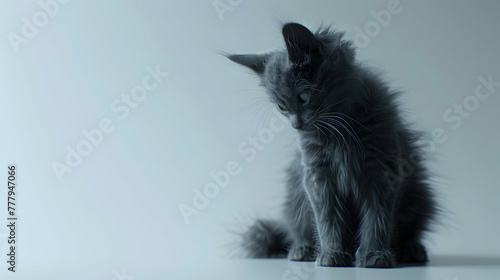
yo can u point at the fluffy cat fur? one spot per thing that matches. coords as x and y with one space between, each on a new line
357 190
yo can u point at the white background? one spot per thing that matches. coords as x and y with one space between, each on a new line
119 208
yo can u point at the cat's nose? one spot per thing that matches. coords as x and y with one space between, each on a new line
297 125
296 122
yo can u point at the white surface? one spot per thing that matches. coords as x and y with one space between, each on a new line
440 268
443 268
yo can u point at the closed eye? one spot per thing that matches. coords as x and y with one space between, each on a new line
303 98
282 109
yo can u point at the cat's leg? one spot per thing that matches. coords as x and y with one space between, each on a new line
330 215
376 229
301 230
407 244
416 208
300 217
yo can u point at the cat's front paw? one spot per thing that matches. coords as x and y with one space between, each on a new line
375 259
302 253
334 258
412 252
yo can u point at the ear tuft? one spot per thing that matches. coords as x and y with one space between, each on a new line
256 62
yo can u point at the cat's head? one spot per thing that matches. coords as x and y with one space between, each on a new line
311 78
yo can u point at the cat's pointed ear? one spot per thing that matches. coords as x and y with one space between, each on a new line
301 43
256 62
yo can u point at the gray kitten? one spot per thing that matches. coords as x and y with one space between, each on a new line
357 188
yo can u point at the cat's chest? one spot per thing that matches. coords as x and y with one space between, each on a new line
337 159
331 164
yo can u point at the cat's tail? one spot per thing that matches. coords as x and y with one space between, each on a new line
265 239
